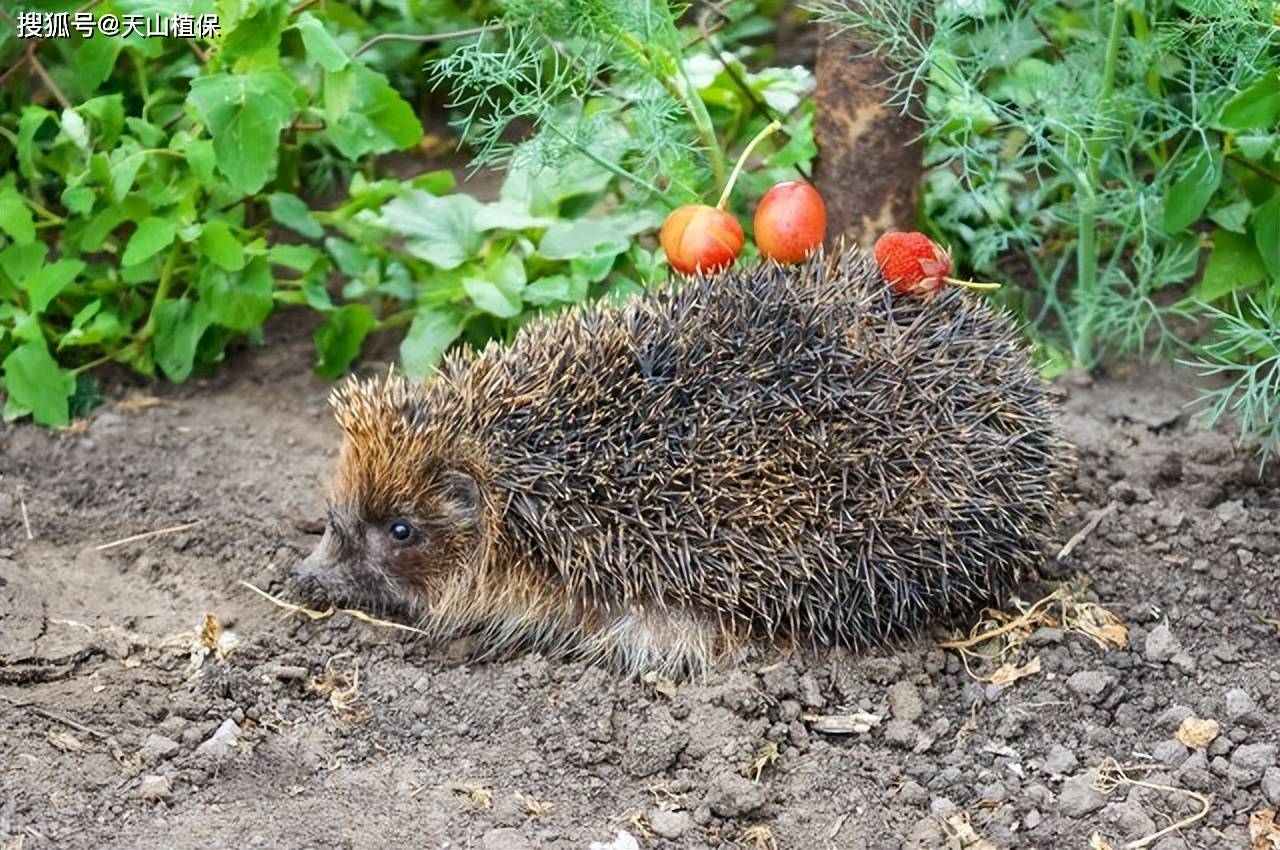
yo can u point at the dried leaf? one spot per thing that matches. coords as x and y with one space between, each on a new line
1097 842
1008 673
1264 831
958 827
1196 733
1099 625
64 741
843 724
210 632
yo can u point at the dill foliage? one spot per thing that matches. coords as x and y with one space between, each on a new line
1117 157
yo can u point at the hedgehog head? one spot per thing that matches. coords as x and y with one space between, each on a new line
408 508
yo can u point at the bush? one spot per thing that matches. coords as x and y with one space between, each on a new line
1104 152
158 200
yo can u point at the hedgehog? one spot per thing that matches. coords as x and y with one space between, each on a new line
793 455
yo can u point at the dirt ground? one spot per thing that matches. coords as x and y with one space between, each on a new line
339 734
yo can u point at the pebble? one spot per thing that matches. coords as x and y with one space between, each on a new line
1129 818
220 743
1078 796
1271 785
622 840
1241 709
1171 752
1091 685
901 733
1249 762
1060 760
505 839
1194 772
669 824
905 702
1171 718
732 796
158 747
154 787
1161 646
940 807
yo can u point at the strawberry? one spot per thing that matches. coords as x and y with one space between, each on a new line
913 264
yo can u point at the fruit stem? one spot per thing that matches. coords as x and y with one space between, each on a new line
969 284
772 127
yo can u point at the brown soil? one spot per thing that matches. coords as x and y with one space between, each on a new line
109 731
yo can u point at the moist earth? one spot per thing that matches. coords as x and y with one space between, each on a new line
120 728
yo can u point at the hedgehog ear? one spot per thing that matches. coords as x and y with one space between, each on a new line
460 497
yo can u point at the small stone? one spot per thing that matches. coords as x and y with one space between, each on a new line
940 807
1249 762
912 792
1078 796
900 733
1241 709
220 742
1271 785
1170 752
1060 760
1171 718
1033 819
733 796
1194 773
154 787
504 838
158 747
1161 646
669 824
1091 685
905 702
1129 819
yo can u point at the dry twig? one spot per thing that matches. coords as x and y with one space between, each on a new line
146 535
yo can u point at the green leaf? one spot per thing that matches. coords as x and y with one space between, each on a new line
293 213
365 115
321 47
339 339
18 262
1256 146
125 160
441 231
510 215
45 285
238 301
221 246
433 330
15 218
555 289
75 129
179 326
1234 265
245 114
153 235
33 118
36 383
253 43
201 158
1266 234
95 60
78 199
1190 193
1232 216
1255 108
498 292
565 240
297 257
100 226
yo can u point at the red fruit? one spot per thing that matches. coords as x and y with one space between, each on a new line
913 264
700 238
791 222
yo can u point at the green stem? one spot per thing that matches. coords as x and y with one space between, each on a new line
770 128
683 92
1087 244
611 167
162 292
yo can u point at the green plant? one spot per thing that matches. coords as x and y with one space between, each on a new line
153 198
1097 151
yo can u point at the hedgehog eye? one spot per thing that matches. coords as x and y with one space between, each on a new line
400 531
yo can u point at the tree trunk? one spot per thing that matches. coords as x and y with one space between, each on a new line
868 170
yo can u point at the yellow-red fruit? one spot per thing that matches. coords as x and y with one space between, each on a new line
701 238
791 222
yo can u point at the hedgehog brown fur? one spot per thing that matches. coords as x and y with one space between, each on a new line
776 453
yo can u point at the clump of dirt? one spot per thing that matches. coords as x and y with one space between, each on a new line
132 719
